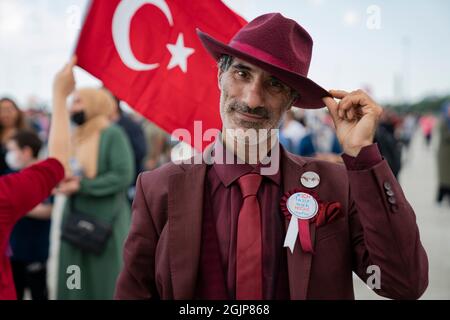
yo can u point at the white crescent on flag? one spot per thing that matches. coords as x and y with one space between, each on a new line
121 30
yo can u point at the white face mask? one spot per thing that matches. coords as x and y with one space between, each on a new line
12 160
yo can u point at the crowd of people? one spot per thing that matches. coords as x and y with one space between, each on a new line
110 147
311 134
103 154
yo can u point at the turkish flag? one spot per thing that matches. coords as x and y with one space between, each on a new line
147 53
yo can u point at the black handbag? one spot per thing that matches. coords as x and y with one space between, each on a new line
85 232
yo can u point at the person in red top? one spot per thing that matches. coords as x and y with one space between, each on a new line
21 192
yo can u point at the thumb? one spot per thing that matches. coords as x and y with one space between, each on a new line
332 107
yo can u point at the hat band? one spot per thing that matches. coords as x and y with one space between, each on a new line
257 53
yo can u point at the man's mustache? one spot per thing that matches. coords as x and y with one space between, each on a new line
242 107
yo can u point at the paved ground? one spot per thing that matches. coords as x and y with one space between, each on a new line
419 181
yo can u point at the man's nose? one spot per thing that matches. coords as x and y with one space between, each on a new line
254 95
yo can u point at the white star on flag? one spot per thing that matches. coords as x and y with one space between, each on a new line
179 53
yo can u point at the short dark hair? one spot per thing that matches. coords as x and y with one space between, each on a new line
225 62
26 138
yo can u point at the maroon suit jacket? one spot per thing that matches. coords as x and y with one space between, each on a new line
162 251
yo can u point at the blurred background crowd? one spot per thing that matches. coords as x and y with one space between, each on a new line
413 135
24 133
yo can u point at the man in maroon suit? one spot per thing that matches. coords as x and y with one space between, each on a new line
215 230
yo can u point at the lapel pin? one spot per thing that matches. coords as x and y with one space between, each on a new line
310 179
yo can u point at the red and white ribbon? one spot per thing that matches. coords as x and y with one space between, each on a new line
300 207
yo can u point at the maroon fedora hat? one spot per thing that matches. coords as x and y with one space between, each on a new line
279 46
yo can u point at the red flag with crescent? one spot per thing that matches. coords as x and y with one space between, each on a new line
147 53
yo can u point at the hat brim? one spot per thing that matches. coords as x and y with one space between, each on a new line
311 94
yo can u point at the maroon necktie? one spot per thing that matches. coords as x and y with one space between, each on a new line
249 242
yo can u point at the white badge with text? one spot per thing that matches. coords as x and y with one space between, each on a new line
302 206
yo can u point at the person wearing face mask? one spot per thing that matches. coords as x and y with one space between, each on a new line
21 192
30 237
104 168
12 119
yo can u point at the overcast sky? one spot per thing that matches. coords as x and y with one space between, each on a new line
399 49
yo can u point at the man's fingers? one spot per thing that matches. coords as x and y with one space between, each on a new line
351 105
338 94
354 100
331 105
351 114
344 105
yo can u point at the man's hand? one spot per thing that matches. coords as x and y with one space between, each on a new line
355 118
64 82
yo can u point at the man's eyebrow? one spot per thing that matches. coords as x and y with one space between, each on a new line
275 78
241 66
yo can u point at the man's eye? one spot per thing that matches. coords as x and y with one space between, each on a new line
275 83
242 74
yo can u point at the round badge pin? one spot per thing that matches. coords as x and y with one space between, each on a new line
302 205
310 179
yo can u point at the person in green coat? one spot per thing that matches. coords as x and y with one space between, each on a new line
103 156
444 154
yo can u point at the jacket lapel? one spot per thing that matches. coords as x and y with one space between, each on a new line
185 208
299 262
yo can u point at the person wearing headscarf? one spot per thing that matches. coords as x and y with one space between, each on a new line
102 169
